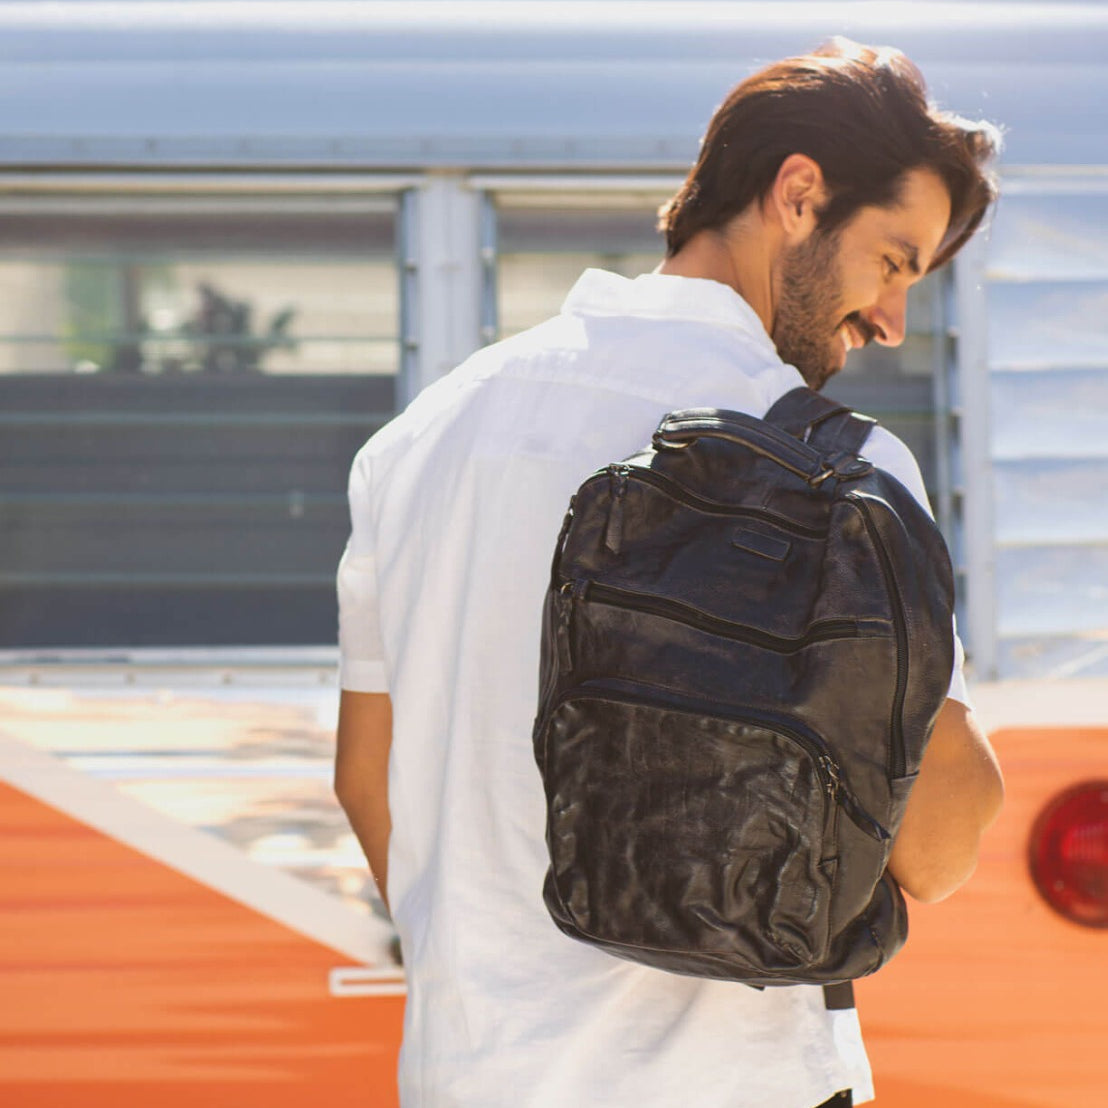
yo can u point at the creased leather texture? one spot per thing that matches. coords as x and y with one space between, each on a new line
746 641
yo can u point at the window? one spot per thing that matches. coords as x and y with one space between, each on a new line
1046 303
542 251
183 385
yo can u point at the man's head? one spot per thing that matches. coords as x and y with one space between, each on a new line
836 172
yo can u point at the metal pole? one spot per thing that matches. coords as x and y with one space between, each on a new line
976 440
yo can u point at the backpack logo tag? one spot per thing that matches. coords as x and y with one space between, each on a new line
763 545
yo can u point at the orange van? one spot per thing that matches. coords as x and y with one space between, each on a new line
157 953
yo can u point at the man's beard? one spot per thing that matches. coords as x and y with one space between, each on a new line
808 318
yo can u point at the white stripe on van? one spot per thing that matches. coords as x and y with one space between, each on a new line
216 864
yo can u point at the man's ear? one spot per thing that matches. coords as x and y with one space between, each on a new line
797 196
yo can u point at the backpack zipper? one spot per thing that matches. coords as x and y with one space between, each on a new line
838 792
619 473
617 488
897 754
830 772
679 612
569 592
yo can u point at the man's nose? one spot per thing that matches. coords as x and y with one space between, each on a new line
889 319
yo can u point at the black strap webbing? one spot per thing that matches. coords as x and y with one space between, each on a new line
838 997
825 424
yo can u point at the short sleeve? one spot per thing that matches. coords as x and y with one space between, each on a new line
361 652
887 452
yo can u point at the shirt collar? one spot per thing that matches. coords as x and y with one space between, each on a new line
666 296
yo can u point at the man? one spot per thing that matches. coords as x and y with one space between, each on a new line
825 188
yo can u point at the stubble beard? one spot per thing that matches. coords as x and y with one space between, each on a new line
808 318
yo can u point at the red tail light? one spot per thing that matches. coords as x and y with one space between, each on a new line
1069 854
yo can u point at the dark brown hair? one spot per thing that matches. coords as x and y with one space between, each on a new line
860 112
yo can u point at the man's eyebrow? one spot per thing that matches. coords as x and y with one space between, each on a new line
910 252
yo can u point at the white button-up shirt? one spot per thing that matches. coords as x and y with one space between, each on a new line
455 509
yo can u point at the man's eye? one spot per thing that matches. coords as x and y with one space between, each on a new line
891 268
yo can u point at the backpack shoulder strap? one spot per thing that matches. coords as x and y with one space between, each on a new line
826 424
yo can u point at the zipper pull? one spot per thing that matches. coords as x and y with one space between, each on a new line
617 481
568 594
834 780
842 796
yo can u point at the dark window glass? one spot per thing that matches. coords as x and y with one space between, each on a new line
181 393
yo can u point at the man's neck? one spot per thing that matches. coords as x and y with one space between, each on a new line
739 258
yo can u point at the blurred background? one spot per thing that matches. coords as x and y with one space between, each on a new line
236 237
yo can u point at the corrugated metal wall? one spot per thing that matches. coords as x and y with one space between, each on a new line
1046 300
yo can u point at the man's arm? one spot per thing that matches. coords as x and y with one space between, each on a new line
957 795
362 775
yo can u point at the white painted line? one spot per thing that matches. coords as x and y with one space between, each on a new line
198 855
125 766
1074 666
360 981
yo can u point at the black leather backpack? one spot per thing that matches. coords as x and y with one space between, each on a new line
746 641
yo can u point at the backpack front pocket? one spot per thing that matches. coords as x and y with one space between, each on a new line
673 828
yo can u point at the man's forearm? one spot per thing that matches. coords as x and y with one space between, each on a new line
957 795
372 830
361 776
